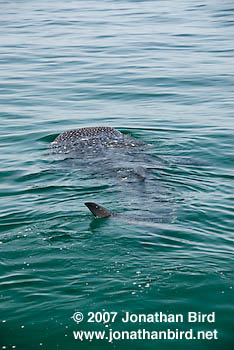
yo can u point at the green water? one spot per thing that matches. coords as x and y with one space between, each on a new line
161 72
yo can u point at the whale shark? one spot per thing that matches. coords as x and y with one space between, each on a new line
91 139
117 153
123 163
105 146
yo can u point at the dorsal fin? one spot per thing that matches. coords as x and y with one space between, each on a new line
98 211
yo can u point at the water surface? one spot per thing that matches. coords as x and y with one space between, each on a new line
161 72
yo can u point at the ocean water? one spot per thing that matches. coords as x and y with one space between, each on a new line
162 72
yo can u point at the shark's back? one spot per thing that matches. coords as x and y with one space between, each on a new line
91 139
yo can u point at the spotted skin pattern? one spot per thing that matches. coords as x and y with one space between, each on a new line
93 139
